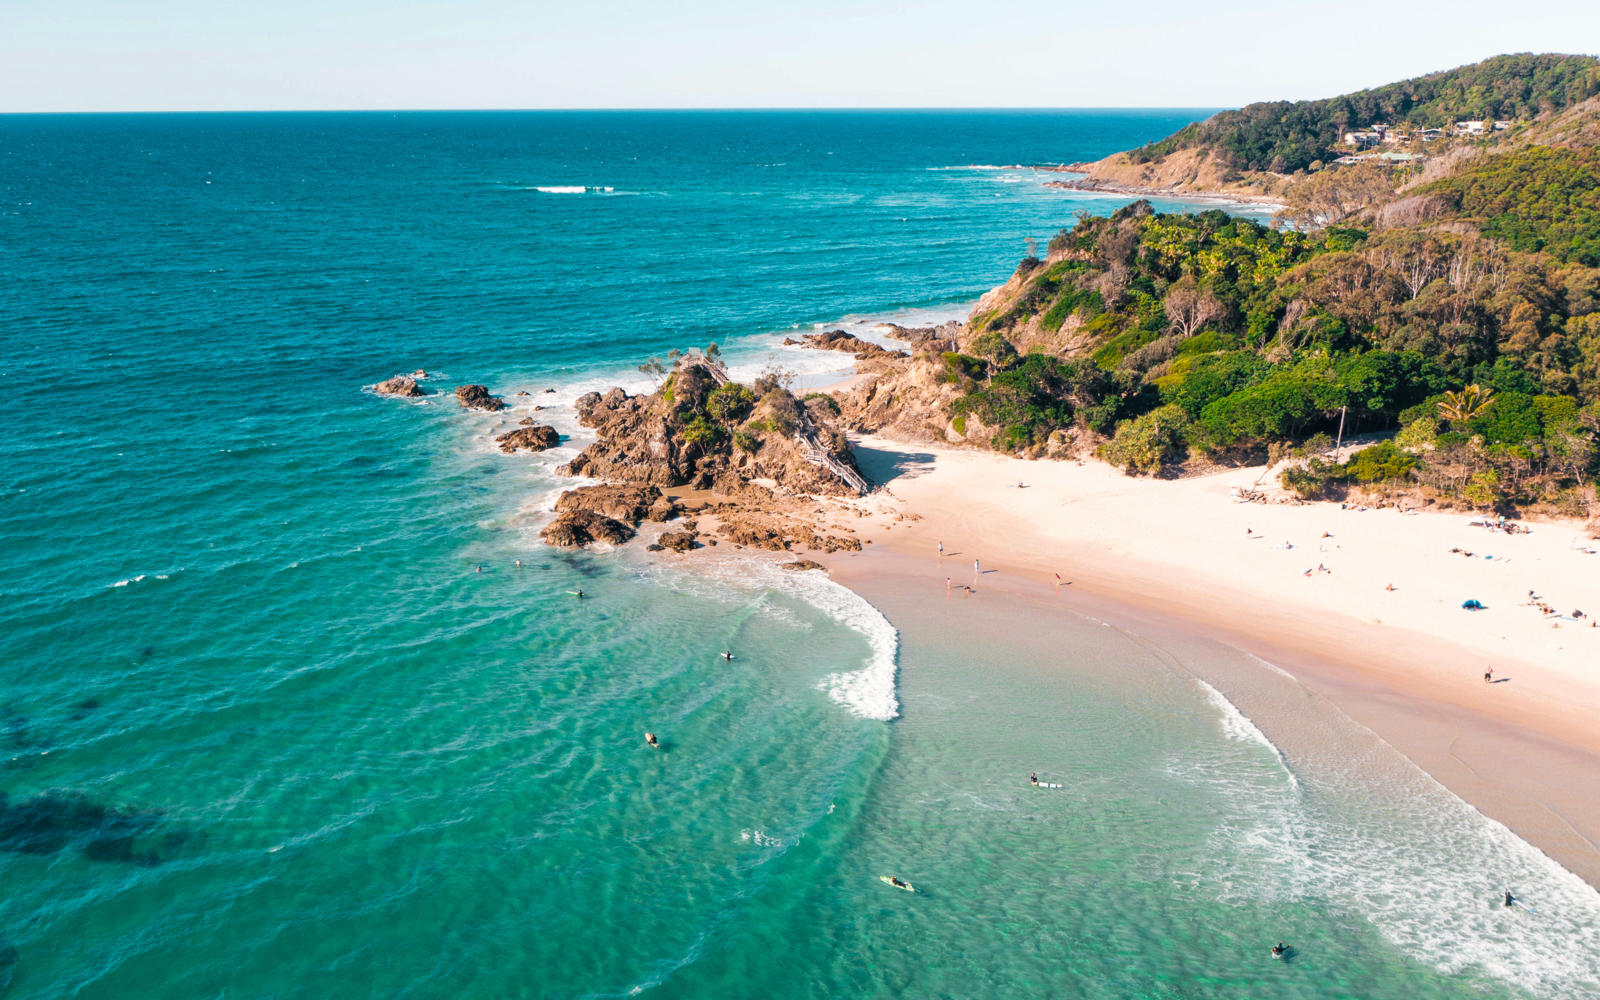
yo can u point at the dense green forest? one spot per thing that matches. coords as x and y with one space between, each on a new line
1541 198
1283 136
1218 337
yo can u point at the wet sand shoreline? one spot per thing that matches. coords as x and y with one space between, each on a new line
1523 752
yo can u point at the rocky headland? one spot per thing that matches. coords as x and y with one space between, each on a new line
768 469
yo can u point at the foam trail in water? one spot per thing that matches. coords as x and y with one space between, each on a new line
1423 867
1237 726
868 692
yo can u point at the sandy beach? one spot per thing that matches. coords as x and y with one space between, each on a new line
1408 663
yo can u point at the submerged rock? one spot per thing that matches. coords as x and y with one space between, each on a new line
400 385
476 397
537 437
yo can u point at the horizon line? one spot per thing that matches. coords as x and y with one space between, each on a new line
628 110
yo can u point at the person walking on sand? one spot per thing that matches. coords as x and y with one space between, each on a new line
947 586
975 567
941 551
1488 675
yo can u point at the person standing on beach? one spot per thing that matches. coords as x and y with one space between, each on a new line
947 586
1488 675
974 567
941 551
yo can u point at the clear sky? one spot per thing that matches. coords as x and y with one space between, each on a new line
161 55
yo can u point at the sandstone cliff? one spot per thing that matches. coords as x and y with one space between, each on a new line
1184 172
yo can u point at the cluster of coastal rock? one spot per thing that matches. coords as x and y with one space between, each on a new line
760 454
531 435
764 462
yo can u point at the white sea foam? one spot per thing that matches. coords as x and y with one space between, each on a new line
124 583
1237 726
869 690
1272 667
1386 841
561 189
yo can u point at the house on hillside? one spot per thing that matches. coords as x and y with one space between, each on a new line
1362 140
1470 128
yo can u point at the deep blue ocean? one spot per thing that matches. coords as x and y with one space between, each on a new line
269 731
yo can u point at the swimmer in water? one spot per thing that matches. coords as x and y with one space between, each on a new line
580 595
1035 779
728 656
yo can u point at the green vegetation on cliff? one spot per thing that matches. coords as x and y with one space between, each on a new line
1217 336
1540 198
1284 136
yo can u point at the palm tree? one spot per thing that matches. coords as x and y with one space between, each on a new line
1459 407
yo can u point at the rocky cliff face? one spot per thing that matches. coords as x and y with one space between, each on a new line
1186 171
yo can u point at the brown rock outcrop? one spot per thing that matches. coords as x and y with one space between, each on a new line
400 385
677 541
636 444
801 564
631 504
535 438
476 397
838 340
584 526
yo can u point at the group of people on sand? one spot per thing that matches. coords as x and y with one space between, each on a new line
1534 601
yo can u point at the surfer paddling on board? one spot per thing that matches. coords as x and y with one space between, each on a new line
1279 950
650 738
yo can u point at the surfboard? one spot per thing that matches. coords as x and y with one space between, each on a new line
886 880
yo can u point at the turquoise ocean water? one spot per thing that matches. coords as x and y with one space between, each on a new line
269 732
